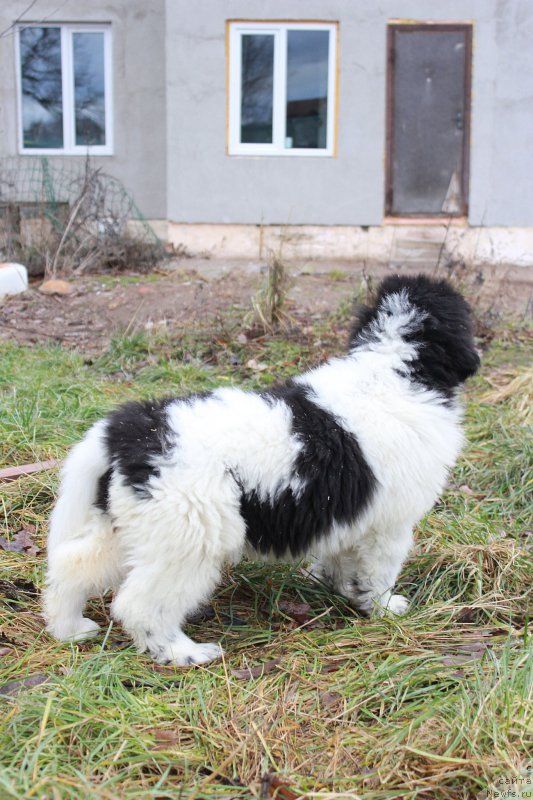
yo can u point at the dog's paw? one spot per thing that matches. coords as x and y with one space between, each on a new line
74 630
398 604
319 574
188 654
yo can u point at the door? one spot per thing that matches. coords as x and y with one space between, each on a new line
428 113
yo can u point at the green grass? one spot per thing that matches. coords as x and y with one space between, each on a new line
338 275
433 705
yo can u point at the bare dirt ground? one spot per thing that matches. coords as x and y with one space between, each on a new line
197 294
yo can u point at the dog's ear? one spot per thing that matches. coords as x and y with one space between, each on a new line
467 362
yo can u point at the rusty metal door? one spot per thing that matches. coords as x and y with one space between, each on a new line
428 113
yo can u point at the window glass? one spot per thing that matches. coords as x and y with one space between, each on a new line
307 88
42 102
89 88
257 70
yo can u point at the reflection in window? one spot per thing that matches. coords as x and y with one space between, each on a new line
257 88
89 88
307 88
42 100
281 88
64 85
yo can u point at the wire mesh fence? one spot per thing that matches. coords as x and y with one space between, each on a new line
65 217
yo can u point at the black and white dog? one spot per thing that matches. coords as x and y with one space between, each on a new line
337 465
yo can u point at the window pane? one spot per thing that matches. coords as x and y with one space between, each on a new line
257 88
307 88
42 104
89 88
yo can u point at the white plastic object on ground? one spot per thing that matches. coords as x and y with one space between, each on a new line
13 278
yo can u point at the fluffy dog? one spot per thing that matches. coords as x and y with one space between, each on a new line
337 465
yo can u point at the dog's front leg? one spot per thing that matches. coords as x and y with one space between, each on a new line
366 573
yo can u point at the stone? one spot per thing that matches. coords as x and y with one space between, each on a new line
56 286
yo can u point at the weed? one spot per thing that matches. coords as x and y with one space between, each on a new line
269 306
337 275
77 220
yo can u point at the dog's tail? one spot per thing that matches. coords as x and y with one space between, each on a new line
86 463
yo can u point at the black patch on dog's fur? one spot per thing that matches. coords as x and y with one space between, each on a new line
338 482
137 433
446 354
102 491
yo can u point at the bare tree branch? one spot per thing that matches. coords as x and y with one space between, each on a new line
10 30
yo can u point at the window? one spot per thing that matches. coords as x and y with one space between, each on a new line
282 88
64 89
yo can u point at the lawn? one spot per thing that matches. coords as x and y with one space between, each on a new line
311 700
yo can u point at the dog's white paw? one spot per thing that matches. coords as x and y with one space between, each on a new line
398 604
185 654
74 630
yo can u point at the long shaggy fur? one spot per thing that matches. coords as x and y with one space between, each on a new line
337 465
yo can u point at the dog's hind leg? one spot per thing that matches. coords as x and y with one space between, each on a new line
83 555
153 602
366 573
175 558
78 568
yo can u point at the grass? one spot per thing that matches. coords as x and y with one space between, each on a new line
338 275
433 705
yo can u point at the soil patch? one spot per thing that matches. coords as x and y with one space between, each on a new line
204 294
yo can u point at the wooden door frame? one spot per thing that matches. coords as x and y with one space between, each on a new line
392 27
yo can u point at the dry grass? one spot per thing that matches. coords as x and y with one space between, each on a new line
269 306
513 386
433 706
95 226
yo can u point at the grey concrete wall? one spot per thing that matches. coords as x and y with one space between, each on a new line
138 32
169 72
206 185
502 136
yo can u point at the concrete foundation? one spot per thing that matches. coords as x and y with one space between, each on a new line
395 245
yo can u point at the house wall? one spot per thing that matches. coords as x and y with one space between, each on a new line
205 185
170 99
138 32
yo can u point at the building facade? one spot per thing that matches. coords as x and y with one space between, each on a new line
342 125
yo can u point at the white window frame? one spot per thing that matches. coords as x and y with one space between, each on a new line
67 84
279 31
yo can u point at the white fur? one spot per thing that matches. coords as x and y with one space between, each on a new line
83 557
164 554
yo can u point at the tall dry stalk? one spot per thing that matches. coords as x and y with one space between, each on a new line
269 306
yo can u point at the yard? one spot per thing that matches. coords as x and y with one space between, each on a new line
311 700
